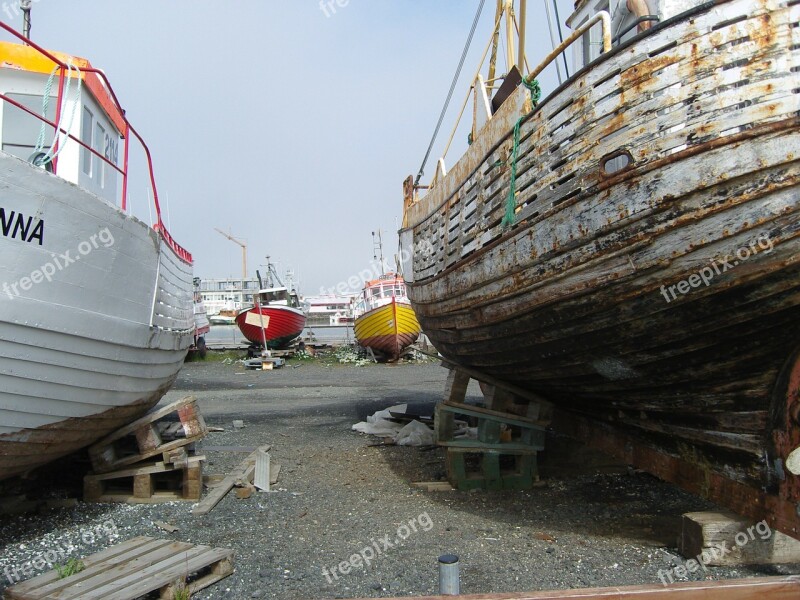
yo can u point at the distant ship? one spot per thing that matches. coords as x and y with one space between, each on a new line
384 319
96 309
277 317
329 310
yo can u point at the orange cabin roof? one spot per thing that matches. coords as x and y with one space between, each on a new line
26 58
390 278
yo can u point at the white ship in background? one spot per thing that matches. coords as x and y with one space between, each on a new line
96 306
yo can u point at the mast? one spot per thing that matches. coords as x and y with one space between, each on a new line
510 33
25 5
521 53
495 43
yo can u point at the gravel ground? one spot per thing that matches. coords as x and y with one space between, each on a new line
589 523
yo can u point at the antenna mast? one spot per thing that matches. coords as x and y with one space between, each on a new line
25 5
377 248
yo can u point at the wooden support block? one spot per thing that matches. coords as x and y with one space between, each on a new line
177 457
193 481
147 437
142 485
192 421
455 389
726 539
243 493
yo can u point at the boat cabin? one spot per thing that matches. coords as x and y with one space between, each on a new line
33 88
380 291
278 296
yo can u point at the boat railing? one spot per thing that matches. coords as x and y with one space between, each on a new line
129 131
603 17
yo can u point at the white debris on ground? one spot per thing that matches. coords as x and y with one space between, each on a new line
350 355
410 434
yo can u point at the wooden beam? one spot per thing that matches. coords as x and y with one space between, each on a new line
243 472
763 588
726 539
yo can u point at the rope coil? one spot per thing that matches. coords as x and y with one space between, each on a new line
52 152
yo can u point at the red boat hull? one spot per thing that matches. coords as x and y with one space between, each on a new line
285 324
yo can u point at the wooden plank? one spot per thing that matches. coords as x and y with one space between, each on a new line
242 471
433 486
726 539
763 588
157 467
478 376
502 417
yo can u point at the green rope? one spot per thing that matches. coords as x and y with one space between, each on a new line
511 201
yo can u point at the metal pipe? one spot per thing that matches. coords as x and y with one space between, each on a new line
522 20
449 584
25 5
601 16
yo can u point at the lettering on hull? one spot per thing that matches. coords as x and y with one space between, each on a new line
16 225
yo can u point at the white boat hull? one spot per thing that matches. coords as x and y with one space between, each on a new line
102 334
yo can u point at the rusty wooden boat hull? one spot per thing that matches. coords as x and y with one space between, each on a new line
660 298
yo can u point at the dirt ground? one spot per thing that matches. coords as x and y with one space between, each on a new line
590 522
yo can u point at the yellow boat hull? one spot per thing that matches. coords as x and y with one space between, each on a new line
388 330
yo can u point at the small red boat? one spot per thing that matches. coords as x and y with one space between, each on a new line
275 318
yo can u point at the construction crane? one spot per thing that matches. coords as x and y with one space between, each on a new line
244 253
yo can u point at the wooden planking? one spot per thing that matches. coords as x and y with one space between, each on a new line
649 96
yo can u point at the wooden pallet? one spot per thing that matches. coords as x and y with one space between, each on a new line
130 570
143 439
469 469
148 484
510 433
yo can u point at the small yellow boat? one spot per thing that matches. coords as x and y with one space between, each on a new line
385 321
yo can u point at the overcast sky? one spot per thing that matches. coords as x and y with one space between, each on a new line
290 127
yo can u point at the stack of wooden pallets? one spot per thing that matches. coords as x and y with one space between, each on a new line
504 454
150 460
